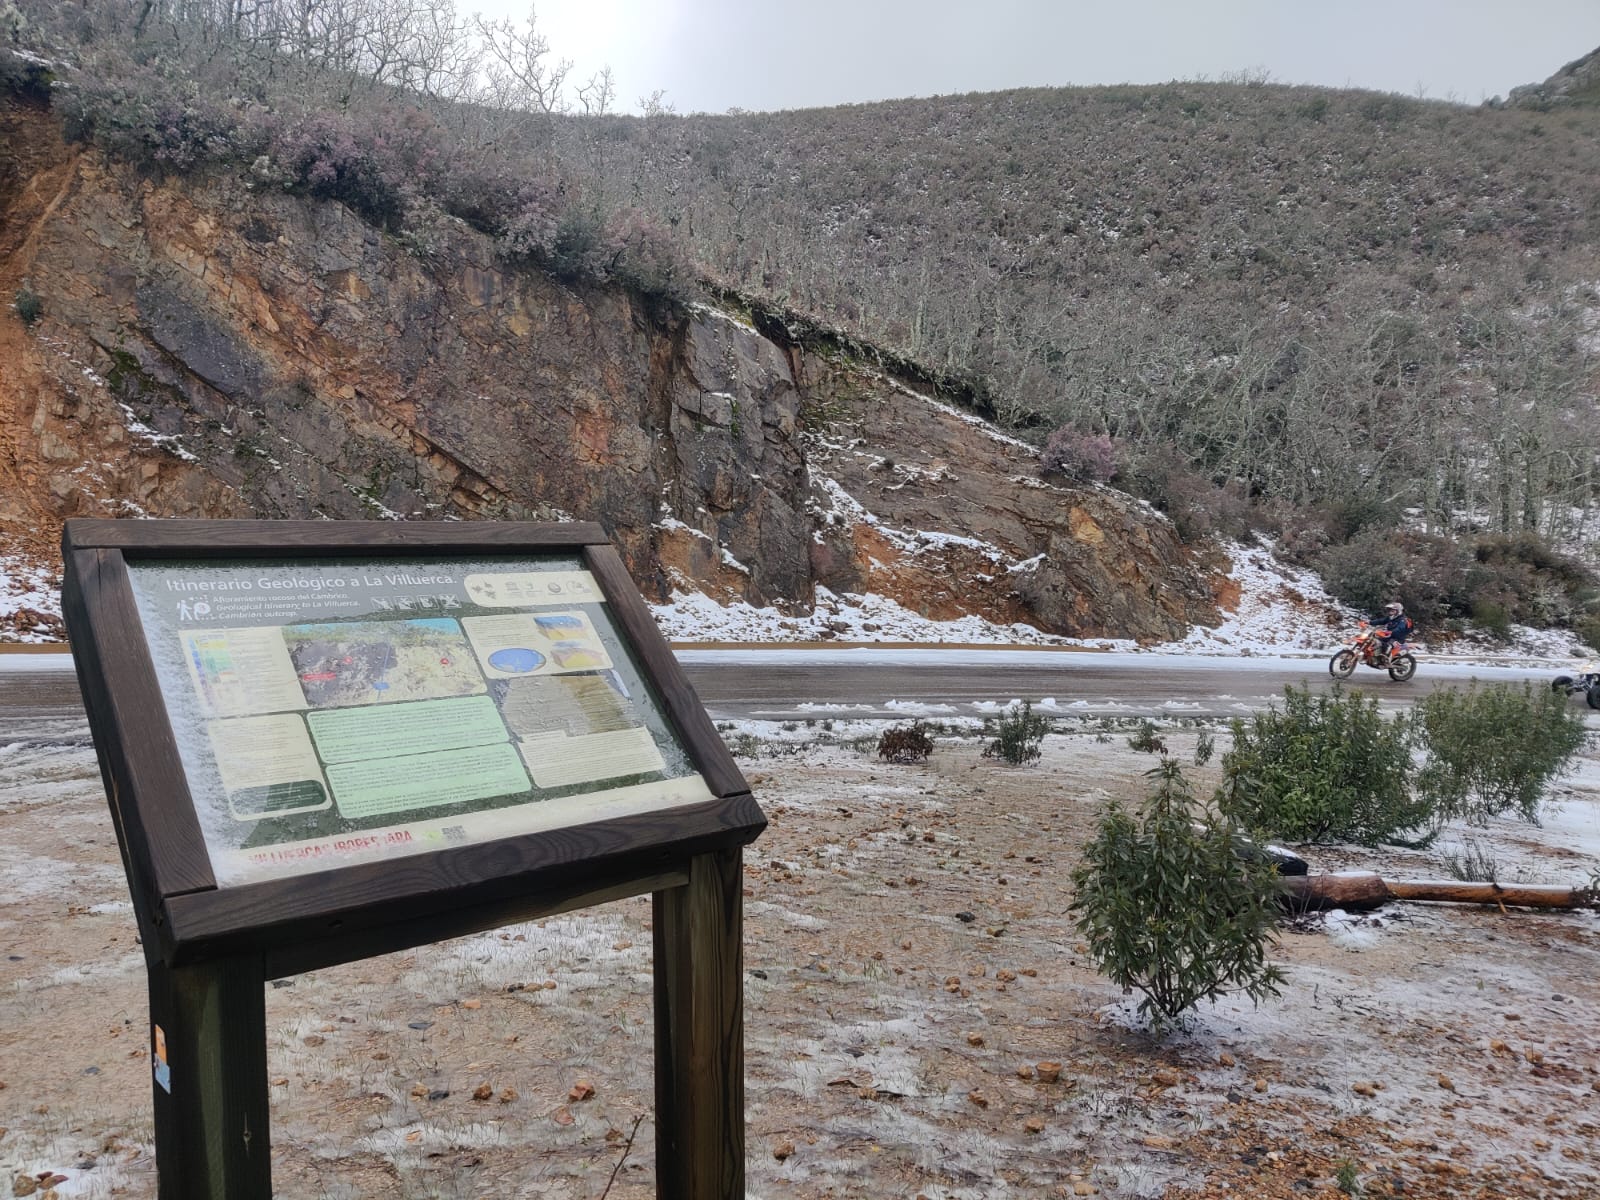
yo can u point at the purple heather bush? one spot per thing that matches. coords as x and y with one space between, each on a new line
1090 457
390 163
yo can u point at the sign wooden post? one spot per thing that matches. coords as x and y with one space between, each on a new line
699 991
323 741
211 1116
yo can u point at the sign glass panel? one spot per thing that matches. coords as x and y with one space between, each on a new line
329 712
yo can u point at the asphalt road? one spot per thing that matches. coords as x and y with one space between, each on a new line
39 699
784 685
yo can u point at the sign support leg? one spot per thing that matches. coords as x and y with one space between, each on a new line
699 1017
211 1119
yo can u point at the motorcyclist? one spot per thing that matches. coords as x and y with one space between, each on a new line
1393 629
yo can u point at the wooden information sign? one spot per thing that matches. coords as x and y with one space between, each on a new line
323 741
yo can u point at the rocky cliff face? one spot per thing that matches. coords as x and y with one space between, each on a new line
208 349
1576 83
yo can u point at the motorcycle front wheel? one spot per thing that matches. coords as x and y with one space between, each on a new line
1343 664
1593 696
1402 668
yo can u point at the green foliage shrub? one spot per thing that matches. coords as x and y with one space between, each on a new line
1376 565
1016 734
1169 908
905 744
1495 580
1493 617
1197 506
1146 740
576 252
21 76
1520 577
1322 768
1494 749
1366 571
28 305
1347 516
1587 627
1314 109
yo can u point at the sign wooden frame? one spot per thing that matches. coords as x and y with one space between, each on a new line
210 950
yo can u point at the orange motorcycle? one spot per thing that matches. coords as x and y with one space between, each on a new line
1370 646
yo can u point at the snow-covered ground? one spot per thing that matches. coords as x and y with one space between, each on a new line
1281 609
26 587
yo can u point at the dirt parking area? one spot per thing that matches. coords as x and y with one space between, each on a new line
920 1019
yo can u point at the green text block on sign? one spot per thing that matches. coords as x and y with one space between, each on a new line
421 781
419 727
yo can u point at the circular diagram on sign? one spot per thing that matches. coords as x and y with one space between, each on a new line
516 660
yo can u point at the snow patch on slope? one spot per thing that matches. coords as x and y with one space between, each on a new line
23 586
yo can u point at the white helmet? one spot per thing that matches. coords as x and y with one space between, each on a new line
1394 608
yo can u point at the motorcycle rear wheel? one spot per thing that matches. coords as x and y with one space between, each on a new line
1562 683
1402 668
1343 664
1593 696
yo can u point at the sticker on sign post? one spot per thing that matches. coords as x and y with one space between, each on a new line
159 1059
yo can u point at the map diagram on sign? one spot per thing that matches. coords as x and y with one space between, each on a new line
382 662
516 645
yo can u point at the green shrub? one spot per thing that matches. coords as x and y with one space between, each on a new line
1197 506
1520 577
577 249
25 77
1146 740
1314 109
905 744
1587 628
1169 908
1472 862
1322 768
1493 617
1016 733
1362 572
1365 572
28 305
1494 749
1204 747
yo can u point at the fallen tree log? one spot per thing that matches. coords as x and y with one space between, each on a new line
1353 891
1362 891
1523 895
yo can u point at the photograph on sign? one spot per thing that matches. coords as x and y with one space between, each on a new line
339 711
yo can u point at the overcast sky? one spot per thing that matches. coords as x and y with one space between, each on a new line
712 55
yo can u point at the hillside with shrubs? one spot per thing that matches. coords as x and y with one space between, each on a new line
1363 324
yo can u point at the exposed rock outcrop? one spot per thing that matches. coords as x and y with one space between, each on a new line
1576 83
207 348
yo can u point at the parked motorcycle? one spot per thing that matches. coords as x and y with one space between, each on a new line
1588 682
1366 647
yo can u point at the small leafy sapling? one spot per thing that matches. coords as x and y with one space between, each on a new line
1169 907
1017 734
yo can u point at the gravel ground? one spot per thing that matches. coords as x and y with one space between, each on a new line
920 1019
